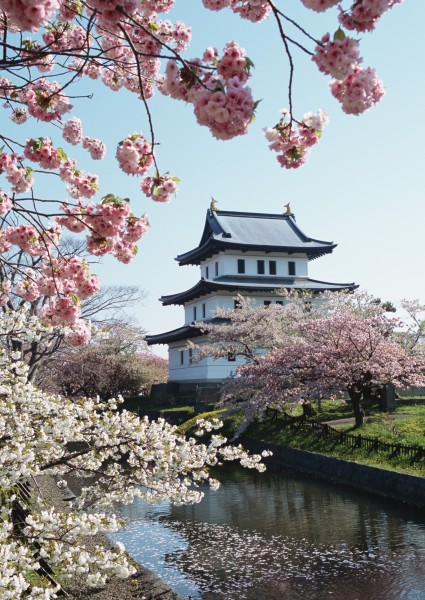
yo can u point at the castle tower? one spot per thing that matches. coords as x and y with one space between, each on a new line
252 254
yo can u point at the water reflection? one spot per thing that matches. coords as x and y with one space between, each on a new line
276 537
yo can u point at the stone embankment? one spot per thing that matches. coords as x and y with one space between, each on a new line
389 484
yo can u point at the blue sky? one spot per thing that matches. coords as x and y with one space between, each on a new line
362 187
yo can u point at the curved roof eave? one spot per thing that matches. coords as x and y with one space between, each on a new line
213 246
206 286
181 333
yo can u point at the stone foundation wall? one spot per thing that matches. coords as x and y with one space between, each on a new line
398 486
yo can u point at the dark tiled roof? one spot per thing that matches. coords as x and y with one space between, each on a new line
247 285
182 333
252 231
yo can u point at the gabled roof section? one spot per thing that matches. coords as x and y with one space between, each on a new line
246 285
252 231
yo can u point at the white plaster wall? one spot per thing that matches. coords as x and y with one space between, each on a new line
230 263
210 263
206 369
223 300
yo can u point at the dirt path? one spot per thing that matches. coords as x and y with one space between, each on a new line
350 421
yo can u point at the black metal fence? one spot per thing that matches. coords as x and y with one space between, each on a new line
350 440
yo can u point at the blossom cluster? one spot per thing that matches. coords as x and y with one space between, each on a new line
135 155
45 100
319 5
222 102
252 10
159 188
364 15
359 91
29 16
111 226
17 175
356 88
337 57
292 141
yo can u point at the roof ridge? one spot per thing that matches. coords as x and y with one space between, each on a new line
253 214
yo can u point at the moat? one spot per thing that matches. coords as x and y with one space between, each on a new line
279 536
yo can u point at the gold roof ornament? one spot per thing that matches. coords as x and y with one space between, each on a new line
288 211
213 204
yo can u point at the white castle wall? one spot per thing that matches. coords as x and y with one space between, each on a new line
207 369
227 264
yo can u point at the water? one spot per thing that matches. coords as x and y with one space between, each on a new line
276 536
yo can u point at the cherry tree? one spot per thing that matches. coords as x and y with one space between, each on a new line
249 330
115 362
315 346
117 457
49 47
341 353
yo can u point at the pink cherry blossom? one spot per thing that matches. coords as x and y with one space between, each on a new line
45 100
96 148
292 140
18 176
42 152
337 58
358 92
159 188
215 4
19 115
253 10
226 113
72 131
135 155
5 203
364 14
28 15
79 335
64 310
319 5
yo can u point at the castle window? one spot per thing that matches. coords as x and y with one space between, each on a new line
267 302
280 302
291 267
206 272
203 311
231 357
236 304
182 357
216 269
190 356
260 267
272 267
241 265
194 313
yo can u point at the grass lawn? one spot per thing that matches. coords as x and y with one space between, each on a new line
408 428
145 405
274 432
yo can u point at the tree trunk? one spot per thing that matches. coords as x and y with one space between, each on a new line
359 414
